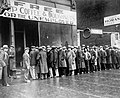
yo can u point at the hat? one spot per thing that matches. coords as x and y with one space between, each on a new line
43 47
5 46
40 48
53 47
83 45
37 47
64 47
69 46
12 46
75 46
48 46
87 46
72 47
32 46
27 48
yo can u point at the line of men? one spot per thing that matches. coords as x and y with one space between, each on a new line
48 62
7 64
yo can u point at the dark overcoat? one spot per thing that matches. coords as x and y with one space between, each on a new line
62 59
108 57
114 56
103 56
79 59
54 59
33 58
42 57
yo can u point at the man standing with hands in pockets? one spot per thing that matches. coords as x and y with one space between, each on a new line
26 64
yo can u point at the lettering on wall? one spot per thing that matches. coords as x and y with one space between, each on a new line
29 11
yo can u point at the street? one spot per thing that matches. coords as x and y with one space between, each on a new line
104 84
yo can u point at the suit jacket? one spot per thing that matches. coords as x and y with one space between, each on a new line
26 60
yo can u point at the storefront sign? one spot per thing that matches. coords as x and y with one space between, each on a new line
96 31
29 11
115 39
112 20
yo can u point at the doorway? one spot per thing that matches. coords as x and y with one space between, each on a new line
19 45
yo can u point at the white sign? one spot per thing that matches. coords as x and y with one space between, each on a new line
112 20
29 11
96 31
115 40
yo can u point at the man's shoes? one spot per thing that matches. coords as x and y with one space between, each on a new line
7 85
27 81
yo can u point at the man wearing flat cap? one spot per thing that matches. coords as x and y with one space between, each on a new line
26 64
12 65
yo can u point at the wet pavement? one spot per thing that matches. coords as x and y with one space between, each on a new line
104 84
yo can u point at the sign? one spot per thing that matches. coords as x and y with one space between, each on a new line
112 20
96 31
29 11
115 39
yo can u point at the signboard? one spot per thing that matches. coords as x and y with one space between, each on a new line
29 11
96 31
115 39
112 20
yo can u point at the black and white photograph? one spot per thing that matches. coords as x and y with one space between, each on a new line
59 48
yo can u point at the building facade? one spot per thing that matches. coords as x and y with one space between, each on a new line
24 26
91 13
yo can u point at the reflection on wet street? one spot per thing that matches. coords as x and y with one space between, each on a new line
104 84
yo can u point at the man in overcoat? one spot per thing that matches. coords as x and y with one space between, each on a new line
54 61
33 62
62 62
42 57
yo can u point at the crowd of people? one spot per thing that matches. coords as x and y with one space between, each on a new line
49 62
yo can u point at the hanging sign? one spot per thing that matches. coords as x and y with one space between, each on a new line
29 11
112 20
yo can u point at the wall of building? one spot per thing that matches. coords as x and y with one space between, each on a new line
56 34
91 13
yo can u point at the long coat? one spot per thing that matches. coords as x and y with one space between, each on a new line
103 56
54 59
114 56
48 59
12 59
42 57
79 59
108 57
71 60
61 59
33 58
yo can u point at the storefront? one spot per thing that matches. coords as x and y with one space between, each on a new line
27 24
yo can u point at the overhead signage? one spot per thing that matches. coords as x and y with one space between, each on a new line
112 20
29 11
96 31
